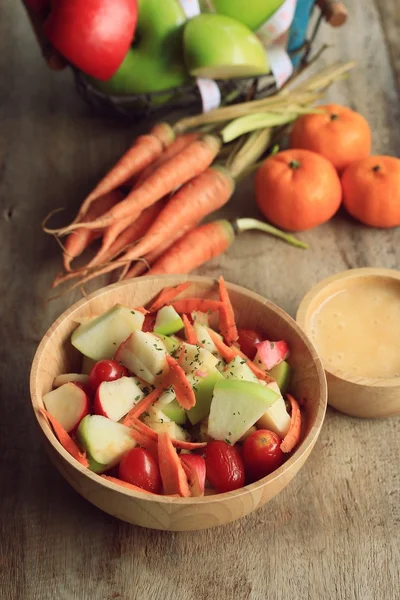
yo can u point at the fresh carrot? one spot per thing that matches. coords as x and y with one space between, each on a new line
188 305
172 473
195 248
227 323
79 240
180 142
144 441
138 425
187 164
227 352
115 242
145 263
65 439
168 294
190 333
125 484
144 404
183 390
292 437
145 149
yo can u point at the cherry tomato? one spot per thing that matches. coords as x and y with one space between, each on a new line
140 468
262 454
247 340
224 466
106 370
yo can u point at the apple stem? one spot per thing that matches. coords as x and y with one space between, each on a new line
246 224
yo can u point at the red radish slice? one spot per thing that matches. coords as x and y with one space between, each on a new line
195 469
68 404
67 377
114 399
172 473
65 439
269 354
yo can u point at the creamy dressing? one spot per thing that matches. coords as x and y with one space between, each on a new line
356 329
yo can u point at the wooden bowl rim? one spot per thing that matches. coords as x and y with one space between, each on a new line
302 318
308 441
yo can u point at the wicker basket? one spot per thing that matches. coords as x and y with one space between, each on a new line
187 99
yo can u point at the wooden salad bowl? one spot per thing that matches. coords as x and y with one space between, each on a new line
56 355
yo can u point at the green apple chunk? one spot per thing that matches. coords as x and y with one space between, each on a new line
219 47
256 13
100 337
276 418
144 354
174 431
239 369
175 412
205 339
196 358
105 441
203 389
170 342
236 406
167 321
282 373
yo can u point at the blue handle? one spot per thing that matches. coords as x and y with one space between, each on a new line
298 30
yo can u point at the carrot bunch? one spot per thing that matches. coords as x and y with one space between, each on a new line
147 211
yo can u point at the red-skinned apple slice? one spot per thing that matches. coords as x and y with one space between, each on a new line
114 399
195 469
269 354
68 404
94 35
67 377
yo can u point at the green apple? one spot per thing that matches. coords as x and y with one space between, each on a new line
219 47
155 61
282 373
174 431
99 338
170 342
167 321
276 417
145 355
175 412
203 389
253 15
238 369
195 358
104 440
236 406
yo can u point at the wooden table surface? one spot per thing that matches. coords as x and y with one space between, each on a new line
335 530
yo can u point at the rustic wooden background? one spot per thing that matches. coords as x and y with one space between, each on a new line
335 531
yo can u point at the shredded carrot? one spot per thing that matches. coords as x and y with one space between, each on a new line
256 370
292 437
172 473
142 310
65 439
144 404
188 305
143 440
183 390
190 333
193 249
125 484
227 352
138 425
168 294
227 323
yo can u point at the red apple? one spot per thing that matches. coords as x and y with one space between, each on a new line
37 6
94 35
195 469
68 404
114 399
269 354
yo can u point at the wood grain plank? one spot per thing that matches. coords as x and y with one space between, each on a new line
335 530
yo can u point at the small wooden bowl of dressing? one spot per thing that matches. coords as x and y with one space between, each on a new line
353 320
